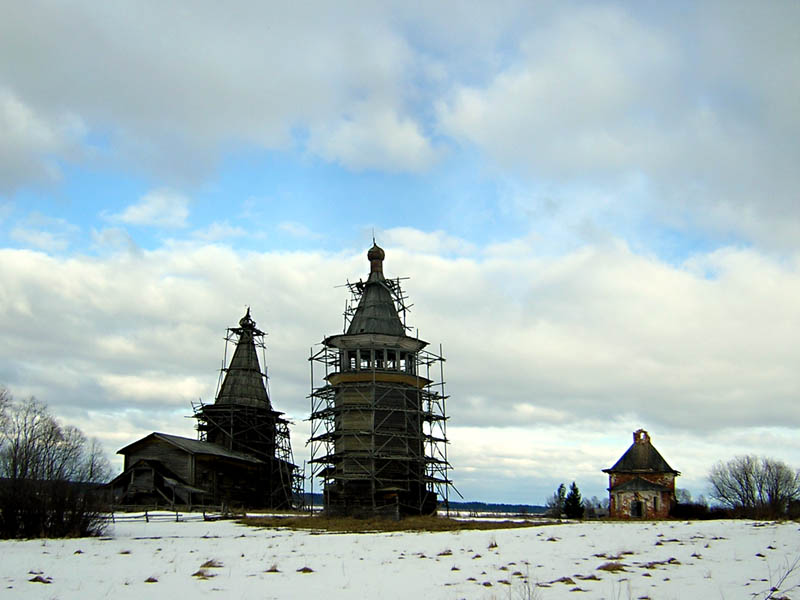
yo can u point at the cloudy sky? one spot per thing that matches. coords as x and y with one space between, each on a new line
596 205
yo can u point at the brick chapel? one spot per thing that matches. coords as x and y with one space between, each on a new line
641 485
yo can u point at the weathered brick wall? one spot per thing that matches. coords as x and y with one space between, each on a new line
654 504
665 479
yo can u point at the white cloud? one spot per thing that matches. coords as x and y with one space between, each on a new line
551 361
44 233
375 139
41 240
703 110
113 238
598 95
434 242
298 230
575 99
150 388
158 208
219 231
29 141
255 75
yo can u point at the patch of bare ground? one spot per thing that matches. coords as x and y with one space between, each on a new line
351 525
660 563
612 567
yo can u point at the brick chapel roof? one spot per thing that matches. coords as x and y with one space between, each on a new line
641 457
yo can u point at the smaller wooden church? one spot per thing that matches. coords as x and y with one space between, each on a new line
243 455
641 485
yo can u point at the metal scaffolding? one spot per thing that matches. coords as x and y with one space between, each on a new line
261 433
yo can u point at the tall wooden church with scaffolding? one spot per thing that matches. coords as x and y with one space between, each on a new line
378 421
242 420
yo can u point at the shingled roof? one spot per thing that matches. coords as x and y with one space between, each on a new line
192 447
376 311
641 457
244 382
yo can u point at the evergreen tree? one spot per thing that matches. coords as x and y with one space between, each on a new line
555 505
573 504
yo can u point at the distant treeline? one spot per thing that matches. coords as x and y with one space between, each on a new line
495 507
490 507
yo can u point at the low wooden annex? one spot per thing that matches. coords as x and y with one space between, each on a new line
641 485
168 469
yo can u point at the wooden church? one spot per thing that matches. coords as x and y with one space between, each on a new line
242 457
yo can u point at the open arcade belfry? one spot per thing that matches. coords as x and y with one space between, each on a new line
378 419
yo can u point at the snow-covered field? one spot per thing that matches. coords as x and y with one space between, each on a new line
716 559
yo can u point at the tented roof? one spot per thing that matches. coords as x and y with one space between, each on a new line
641 457
244 382
376 311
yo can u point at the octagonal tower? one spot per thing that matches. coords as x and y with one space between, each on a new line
378 441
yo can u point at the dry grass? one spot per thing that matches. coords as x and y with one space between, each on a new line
351 525
203 574
211 564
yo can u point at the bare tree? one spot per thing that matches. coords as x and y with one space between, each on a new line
46 471
755 486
